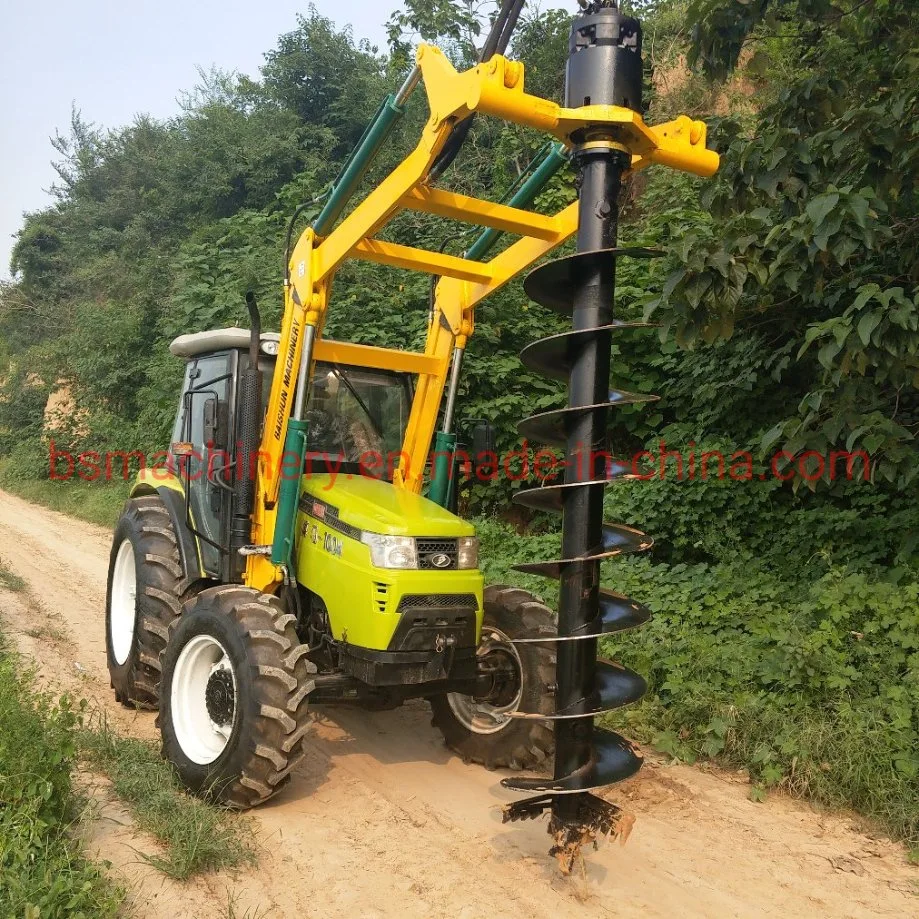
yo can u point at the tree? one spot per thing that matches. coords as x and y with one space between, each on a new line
812 240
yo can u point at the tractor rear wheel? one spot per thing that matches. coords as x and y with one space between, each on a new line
487 733
233 712
144 597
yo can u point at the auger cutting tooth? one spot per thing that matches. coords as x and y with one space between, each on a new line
553 427
617 614
617 540
556 284
614 687
612 760
552 357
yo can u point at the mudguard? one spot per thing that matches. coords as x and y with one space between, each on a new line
172 494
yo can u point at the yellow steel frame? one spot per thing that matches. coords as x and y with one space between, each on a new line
495 88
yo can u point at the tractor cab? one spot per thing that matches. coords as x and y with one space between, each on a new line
357 418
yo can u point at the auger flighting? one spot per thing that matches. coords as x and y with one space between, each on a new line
604 68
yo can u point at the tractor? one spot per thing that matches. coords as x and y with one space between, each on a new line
302 546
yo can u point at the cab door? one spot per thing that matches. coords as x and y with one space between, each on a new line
203 454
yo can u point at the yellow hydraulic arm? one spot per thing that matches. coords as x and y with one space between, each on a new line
494 88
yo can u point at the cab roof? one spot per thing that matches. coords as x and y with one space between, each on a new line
189 346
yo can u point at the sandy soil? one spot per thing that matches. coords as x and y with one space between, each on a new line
381 820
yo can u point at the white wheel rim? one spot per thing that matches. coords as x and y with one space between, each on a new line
123 612
480 717
203 699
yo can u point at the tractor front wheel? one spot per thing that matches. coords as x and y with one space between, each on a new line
486 731
144 596
233 712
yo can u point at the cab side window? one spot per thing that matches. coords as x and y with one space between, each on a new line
206 427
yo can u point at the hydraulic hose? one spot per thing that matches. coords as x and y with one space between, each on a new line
496 43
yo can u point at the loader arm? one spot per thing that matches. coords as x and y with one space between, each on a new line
494 88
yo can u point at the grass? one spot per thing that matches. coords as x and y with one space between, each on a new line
94 503
44 870
48 632
9 580
233 913
839 757
197 837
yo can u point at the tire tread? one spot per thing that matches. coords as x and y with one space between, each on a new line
279 673
162 591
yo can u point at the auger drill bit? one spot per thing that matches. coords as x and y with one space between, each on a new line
604 67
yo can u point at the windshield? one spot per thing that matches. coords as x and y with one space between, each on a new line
357 416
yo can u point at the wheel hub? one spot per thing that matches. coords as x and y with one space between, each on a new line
203 699
491 713
123 603
220 697
503 678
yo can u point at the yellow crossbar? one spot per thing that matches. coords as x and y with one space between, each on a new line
455 206
386 253
347 352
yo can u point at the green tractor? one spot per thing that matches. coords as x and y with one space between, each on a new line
302 547
385 602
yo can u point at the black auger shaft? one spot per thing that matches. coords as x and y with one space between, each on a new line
604 67
586 458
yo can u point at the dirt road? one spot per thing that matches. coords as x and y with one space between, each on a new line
380 820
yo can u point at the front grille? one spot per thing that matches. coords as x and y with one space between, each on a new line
430 549
411 602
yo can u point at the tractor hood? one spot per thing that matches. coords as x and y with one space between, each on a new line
376 506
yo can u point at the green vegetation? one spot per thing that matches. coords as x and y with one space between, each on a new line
9 580
43 869
196 837
41 742
786 636
98 504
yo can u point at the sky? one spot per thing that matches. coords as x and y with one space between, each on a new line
114 60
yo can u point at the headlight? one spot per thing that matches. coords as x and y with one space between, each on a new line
391 551
467 552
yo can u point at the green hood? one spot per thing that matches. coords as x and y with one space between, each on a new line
376 506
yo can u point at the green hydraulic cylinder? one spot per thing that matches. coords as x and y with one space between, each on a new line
443 473
289 491
523 197
359 161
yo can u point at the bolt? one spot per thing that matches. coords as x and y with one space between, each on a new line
513 74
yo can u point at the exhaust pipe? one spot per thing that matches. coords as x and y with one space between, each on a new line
247 441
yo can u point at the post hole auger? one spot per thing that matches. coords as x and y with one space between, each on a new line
604 68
